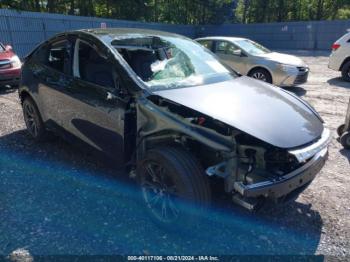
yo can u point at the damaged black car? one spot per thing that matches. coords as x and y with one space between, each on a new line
166 108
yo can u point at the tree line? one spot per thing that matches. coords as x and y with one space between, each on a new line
260 11
192 11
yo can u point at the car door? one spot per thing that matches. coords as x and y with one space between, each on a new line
231 55
51 72
95 107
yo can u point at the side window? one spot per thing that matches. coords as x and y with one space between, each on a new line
231 48
58 56
91 67
206 43
40 55
220 47
223 47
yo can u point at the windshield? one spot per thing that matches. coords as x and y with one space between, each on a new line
252 48
171 62
2 48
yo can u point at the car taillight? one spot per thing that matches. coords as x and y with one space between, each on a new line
335 46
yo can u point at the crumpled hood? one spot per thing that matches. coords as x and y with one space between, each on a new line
254 107
283 58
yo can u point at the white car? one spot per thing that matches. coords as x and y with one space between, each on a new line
252 59
339 60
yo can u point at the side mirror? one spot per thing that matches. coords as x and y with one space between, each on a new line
8 47
237 52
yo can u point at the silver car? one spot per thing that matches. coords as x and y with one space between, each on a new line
252 59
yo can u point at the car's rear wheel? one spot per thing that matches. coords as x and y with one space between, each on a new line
33 121
261 74
170 178
345 72
345 140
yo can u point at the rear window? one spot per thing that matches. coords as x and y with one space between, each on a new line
344 38
56 55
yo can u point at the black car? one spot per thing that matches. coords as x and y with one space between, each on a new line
165 106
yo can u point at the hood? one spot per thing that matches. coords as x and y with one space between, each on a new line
283 59
254 107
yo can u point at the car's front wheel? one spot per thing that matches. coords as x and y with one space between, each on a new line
33 121
346 71
261 74
170 178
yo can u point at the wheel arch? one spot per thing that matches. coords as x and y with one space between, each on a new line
260 67
181 140
344 62
23 94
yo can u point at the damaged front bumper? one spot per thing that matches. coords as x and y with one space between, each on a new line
284 185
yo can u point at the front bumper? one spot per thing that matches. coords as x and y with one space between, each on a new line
286 184
298 77
10 76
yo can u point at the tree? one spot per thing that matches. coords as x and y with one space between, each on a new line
192 11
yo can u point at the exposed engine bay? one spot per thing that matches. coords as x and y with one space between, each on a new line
249 161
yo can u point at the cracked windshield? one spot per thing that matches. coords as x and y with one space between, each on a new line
171 62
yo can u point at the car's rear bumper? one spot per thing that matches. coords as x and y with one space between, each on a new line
335 61
287 184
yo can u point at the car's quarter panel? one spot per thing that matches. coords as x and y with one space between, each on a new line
338 56
254 107
49 78
335 61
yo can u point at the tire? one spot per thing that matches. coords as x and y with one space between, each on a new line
345 72
261 74
345 140
33 120
340 129
172 176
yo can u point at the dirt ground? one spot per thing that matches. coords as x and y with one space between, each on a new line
54 200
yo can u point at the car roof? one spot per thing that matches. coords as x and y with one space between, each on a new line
227 38
109 34
115 33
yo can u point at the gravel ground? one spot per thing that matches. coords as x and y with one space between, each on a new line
58 199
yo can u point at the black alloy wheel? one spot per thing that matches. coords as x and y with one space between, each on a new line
33 121
170 179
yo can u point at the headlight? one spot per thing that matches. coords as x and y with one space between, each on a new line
305 153
16 62
288 68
